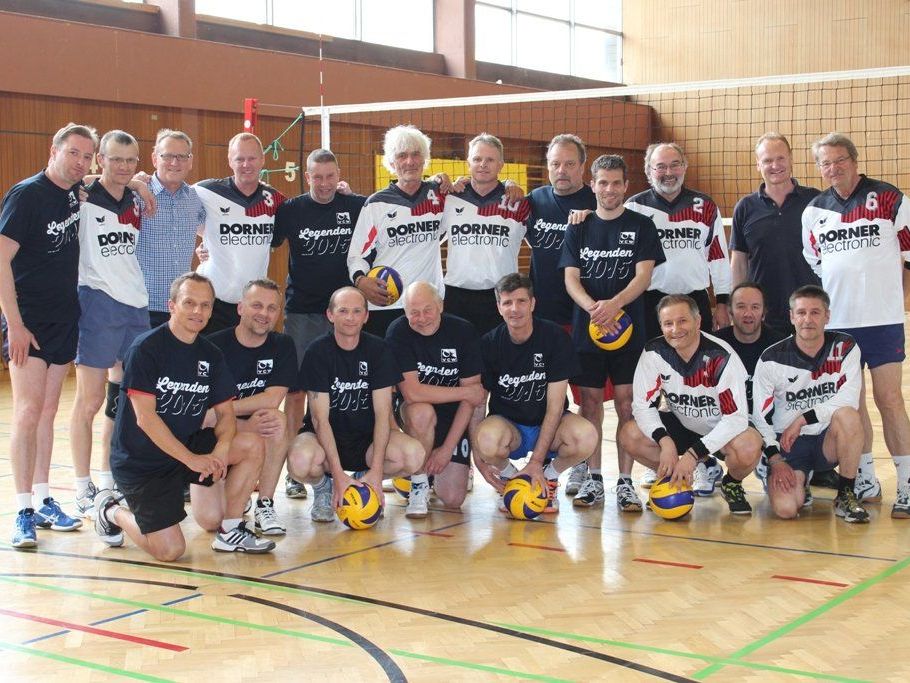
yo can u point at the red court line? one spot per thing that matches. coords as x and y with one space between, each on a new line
433 533
538 547
804 580
669 564
96 631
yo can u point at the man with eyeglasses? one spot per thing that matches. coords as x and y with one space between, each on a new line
856 236
692 235
167 239
114 305
766 241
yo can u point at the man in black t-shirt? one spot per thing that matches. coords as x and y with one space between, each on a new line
39 269
527 364
608 260
264 367
172 376
348 376
439 357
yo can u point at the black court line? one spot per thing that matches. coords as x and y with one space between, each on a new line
122 579
356 552
540 640
392 670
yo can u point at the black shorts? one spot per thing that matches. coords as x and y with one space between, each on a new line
653 297
58 341
352 448
462 452
617 366
477 306
682 437
224 316
157 502
807 454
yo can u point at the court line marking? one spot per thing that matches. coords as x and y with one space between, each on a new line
85 577
83 663
685 655
807 580
537 547
95 631
480 667
806 618
684 565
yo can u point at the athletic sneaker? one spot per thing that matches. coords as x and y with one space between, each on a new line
847 506
868 490
552 501
807 498
241 540
735 496
266 518
627 499
418 500
322 510
577 476
293 488
827 479
590 494
248 506
649 478
50 516
470 484
24 535
85 503
706 477
107 531
761 471
901 507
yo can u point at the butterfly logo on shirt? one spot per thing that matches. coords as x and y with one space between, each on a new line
202 368
264 366
793 379
364 369
459 209
100 219
225 210
392 214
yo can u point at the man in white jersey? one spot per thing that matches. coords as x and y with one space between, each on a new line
237 233
805 398
856 236
484 230
114 305
703 384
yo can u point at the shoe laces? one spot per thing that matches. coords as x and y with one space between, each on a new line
734 491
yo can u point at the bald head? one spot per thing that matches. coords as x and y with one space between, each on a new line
423 307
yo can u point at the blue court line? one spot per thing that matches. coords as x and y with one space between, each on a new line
117 617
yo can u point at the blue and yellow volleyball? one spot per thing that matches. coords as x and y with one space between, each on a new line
609 341
402 486
360 508
522 498
671 501
392 280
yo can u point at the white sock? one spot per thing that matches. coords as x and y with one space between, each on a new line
508 471
325 481
230 524
82 485
550 471
39 493
866 467
23 500
105 479
420 479
902 464
109 513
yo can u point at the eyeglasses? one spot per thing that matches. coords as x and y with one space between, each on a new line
840 161
175 157
663 168
122 161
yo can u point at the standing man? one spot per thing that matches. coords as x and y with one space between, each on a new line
806 398
527 364
240 216
171 377
348 376
703 385
264 366
399 227
166 240
856 236
608 261
317 226
692 235
39 272
438 355
484 231
114 305
766 242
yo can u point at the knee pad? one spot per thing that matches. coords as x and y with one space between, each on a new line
113 398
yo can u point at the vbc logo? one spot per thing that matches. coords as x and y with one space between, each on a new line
202 368
264 366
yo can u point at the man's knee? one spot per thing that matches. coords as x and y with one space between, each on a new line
419 418
785 507
579 435
630 436
248 447
168 547
847 420
412 454
488 439
745 448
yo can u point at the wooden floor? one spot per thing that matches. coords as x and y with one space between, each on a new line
470 595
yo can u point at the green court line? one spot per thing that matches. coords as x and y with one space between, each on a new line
806 618
83 663
678 653
479 667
